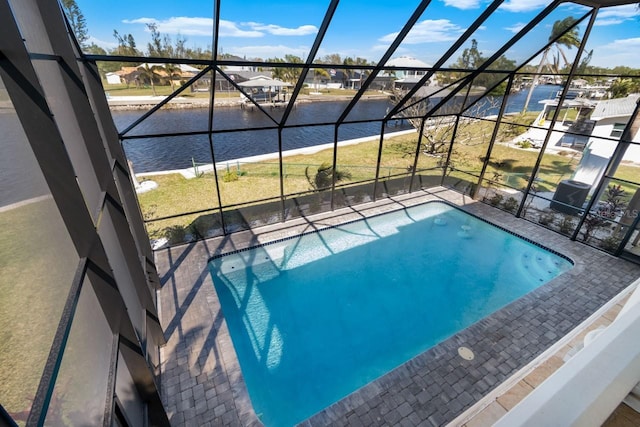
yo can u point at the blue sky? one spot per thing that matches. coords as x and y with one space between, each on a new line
362 28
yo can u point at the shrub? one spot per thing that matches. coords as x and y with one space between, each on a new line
511 204
611 243
546 218
358 196
524 144
175 234
230 176
203 225
496 199
567 225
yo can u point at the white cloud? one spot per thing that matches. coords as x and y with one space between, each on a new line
380 47
191 26
523 5
607 22
268 51
230 29
103 44
429 31
626 11
199 26
462 4
195 26
627 45
617 53
617 15
277 30
516 27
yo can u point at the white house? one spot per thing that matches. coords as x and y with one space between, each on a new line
113 78
610 117
410 70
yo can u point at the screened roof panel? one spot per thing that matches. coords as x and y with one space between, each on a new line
253 30
438 28
364 29
120 27
609 48
560 55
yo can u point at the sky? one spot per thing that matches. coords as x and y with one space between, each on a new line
360 28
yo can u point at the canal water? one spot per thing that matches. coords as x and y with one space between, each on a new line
167 153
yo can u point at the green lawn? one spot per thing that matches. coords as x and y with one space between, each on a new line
508 165
123 90
165 90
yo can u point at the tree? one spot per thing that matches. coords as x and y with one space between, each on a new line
584 63
76 21
323 179
319 72
155 47
150 71
181 50
488 80
438 132
471 58
287 74
349 72
161 45
173 71
333 58
621 88
94 49
607 210
126 45
565 33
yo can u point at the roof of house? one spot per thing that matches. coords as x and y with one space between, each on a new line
618 107
247 74
406 62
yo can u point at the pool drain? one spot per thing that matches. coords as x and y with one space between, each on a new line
465 353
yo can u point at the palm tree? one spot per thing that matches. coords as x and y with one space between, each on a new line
565 34
325 176
172 71
350 72
150 71
319 72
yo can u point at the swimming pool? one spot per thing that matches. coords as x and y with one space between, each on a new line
315 317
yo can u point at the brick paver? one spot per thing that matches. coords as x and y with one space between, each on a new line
202 384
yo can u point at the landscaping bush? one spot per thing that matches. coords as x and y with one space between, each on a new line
175 234
511 204
611 243
546 218
230 176
524 144
567 224
496 199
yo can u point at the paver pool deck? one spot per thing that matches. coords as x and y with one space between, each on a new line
201 381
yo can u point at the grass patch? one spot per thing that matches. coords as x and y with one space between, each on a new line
251 182
165 90
123 90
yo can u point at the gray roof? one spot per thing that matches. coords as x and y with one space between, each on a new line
619 107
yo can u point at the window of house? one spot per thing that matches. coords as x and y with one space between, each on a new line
618 128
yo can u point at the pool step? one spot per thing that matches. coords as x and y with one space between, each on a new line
541 266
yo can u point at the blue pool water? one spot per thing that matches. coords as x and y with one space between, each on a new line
316 317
